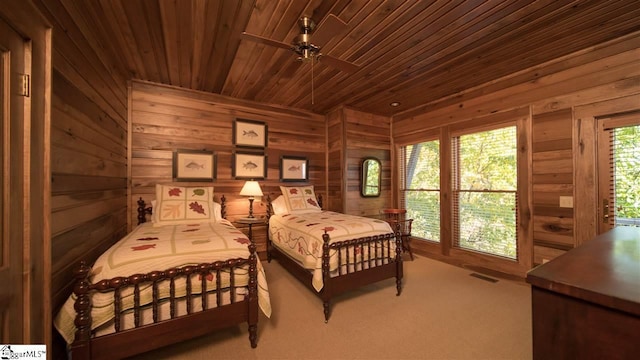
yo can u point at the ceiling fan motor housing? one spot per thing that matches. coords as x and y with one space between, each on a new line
306 25
302 43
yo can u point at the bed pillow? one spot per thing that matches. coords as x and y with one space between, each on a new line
217 211
300 199
279 206
154 212
184 205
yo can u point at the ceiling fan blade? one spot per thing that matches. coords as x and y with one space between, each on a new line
263 40
330 27
339 64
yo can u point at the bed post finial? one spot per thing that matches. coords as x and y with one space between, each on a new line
143 211
141 217
223 206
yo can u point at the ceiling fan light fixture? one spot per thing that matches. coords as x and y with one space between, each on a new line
305 59
305 51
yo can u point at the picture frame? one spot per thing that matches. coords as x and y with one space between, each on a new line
194 165
294 168
250 133
247 165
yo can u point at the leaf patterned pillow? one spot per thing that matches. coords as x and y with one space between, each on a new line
183 205
300 199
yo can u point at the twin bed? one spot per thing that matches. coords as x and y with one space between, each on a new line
209 278
331 253
212 278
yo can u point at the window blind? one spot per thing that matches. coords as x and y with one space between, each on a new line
484 181
624 172
420 193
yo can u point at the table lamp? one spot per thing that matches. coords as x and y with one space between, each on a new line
251 188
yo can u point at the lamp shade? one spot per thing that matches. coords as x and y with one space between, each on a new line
251 188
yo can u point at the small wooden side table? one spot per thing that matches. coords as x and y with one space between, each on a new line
249 223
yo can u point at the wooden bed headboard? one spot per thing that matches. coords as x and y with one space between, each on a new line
144 210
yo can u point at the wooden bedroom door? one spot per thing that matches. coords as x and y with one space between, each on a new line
618 171
13 110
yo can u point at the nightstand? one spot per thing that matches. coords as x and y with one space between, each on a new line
249 223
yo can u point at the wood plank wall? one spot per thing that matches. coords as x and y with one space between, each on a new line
89 184
367 135
335 161
354 135
165 118
552 178
552 91
88 159
88 153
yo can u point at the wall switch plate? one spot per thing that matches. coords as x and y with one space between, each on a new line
566 201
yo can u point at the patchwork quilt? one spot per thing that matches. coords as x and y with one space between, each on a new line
148 248
300 236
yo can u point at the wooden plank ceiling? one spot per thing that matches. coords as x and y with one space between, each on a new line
409 51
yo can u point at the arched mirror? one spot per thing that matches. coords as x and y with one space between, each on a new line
370 180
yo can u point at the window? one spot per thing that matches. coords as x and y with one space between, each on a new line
484 194
421 188
466 185
625 177
619 166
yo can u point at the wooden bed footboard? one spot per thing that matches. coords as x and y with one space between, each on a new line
378 253
367 270
378 264
206 318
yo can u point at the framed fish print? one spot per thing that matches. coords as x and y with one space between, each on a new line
249 133
194 165
248 165
294 168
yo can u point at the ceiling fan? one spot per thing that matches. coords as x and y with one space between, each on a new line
308 44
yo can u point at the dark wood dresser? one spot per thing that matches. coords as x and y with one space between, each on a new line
586 302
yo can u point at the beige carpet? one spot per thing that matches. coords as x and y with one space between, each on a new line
443 313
